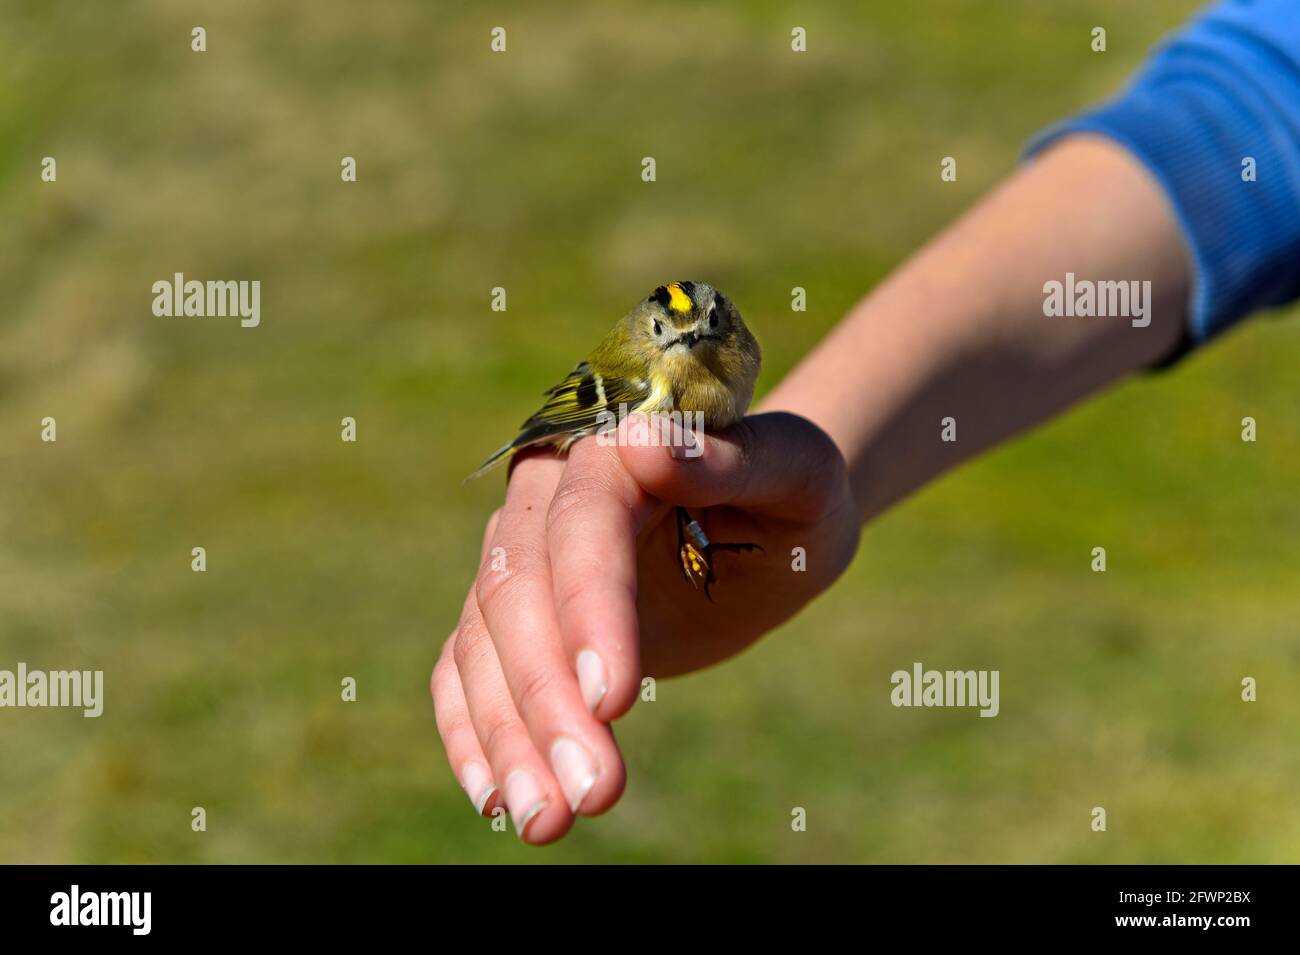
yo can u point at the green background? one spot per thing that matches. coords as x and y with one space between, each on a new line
522 170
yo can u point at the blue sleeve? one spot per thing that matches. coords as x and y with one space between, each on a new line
1223 90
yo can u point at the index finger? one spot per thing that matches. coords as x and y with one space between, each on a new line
595 515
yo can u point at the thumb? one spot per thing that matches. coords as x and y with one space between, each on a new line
777 463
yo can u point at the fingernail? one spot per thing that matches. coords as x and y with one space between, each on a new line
676 440
575 768
637 430
477 783
592 679
685 445
524 798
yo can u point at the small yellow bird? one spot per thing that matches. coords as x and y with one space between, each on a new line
684 348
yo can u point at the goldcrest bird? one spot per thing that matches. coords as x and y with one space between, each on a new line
683 348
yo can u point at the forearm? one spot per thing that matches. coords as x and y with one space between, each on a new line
959 330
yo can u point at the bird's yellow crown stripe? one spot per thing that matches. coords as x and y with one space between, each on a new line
678 300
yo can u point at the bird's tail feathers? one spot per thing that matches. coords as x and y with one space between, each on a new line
539 434
500 457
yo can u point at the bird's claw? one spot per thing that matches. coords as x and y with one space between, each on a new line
695 551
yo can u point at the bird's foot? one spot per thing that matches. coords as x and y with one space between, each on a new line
696 551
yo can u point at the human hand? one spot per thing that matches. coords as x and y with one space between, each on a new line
580 591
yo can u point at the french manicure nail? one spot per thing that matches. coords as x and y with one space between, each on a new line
575 768
524 798
477 783
592 679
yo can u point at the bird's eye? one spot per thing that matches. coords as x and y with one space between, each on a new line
713 317
658 330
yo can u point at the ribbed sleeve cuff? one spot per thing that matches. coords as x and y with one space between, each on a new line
1203 107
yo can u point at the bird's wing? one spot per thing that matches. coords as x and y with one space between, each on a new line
578 405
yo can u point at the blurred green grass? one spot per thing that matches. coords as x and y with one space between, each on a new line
522 170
